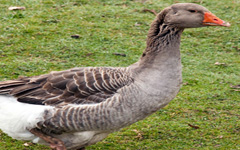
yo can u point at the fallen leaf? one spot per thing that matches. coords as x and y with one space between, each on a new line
51 21
143 1
26 144
76 36
220 64
193 126
236 47
88 54
139 134
235 86
119 54
137 24
220 137
16 8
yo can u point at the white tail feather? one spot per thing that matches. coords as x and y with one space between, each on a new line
16 117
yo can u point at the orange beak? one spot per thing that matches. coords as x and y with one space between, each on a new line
211 20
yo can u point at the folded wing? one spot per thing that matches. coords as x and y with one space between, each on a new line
77 86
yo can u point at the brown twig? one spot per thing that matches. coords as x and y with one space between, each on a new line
193 126
151 11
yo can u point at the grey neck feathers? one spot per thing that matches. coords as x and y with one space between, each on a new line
162 35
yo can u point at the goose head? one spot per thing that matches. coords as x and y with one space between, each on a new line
189 15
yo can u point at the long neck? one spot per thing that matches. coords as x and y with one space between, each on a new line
162 51
159 68
158 74
162 38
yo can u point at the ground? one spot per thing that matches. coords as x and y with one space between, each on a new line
61 34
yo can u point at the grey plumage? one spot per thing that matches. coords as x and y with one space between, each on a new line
89 103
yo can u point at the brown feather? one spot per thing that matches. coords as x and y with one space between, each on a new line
61 84
77 86
23 90
31 100
72 87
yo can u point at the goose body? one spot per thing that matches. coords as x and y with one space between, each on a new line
75 108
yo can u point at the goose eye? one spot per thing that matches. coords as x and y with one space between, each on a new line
192 11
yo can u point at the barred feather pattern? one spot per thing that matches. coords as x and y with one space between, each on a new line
86 85
109 115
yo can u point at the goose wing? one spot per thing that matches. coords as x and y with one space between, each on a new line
78 86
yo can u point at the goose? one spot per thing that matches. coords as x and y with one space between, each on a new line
79 107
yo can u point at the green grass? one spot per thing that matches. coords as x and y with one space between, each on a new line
38 40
